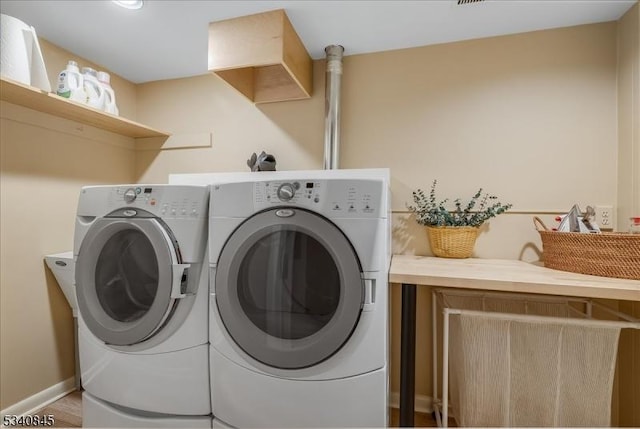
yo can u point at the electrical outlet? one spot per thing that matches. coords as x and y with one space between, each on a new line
605 217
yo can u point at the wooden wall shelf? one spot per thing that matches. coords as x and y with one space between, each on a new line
42 101
261 56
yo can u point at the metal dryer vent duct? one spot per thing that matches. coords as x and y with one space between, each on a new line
332 106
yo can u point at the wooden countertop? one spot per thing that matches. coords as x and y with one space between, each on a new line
508 276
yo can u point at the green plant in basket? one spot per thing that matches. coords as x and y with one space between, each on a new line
430 212
452 233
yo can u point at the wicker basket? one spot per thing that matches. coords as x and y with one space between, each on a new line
452 241
605 254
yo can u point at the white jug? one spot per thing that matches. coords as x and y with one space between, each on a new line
109 95
95 91
71 83
20 54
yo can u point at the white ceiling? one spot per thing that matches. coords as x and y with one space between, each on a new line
168 39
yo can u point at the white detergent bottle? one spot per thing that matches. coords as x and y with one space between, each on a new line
71 83
109 95
95 92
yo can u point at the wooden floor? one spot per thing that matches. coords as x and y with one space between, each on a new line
67 412
419 420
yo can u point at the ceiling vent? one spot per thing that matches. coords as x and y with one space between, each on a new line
463 2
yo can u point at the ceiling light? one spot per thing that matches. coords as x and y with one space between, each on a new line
129 4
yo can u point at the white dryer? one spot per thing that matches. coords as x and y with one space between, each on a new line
142 288
299 308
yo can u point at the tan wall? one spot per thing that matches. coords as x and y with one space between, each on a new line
629 196
529 117
629 115
293 131
44 161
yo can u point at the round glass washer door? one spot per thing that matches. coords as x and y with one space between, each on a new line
124 279
288 288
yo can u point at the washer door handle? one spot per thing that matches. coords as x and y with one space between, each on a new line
369 294
176 285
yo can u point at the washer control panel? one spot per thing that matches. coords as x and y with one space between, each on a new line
159 200
333 197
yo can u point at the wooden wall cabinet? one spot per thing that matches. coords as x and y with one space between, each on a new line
261 56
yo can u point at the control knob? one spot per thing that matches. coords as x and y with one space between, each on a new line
130 195
286 191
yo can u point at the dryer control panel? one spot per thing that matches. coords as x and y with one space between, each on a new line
349 198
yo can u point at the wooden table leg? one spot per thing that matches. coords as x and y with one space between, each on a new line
408 355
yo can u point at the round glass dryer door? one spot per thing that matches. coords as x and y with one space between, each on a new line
124 279
288 288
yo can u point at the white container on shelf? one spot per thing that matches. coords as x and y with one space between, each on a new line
109 95
93 88
20 54
71 83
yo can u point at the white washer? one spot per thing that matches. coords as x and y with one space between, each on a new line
299 307
142 288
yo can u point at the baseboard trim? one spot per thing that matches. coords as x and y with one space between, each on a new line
423 403
41 399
